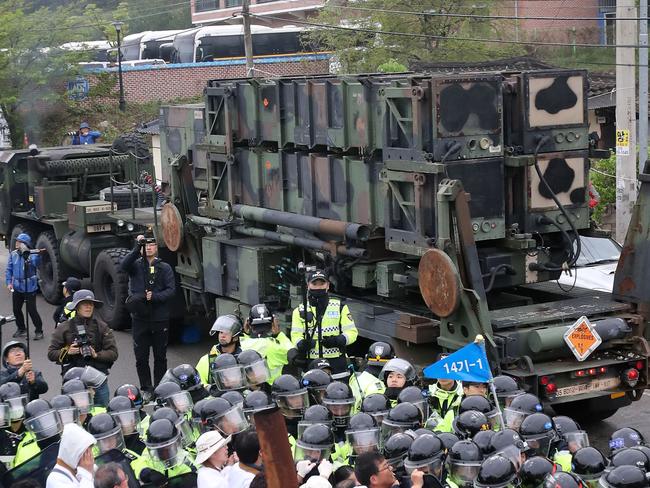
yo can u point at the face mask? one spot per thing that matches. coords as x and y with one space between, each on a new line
318 299
392 392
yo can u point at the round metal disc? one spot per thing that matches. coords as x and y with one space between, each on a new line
439 283
172 226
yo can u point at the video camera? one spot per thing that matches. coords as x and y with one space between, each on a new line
82 341
28 252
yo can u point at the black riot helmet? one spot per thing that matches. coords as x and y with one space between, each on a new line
73 373
339 400
227 373
464 459
315 443
11 394
504 439
107 432
520 407
448 439
187 377
400 418
257 401
507 389
417 397
79 393
101 424
560 479
565 425
377 405
260 321
37 407
230 324
362 434
361 421
481 404
379 353
483 439
588 463
256 370
234 397
42 420
534 470
317 414
163 441
125 413
132 392
220 414
160 431
467 424
465 450
164 413
316 381
290 395
425 454
396 449
624 477
166 389
68 412
625 437
496 471
630 457
539 432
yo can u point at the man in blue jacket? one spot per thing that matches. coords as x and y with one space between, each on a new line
151 289
84 135
18 369
21 279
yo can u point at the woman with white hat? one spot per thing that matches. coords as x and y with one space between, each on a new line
212 455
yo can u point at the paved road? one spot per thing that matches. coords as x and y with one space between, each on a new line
124 369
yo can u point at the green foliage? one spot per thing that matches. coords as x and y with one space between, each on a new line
604 181
158 15
372 39
391 66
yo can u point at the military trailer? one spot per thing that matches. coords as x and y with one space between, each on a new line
82 205
444 206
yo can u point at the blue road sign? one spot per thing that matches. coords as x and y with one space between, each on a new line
78 89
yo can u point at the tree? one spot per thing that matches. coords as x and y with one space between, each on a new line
159 15
368 43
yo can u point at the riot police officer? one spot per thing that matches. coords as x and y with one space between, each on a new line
625 477
397 374
534 470
377 405
330 328
425 455
464 461
219 414
228 329
496 470
44 427
401 418
589 463
316 381
108 434
127 416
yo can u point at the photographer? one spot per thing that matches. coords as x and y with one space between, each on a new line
84 341
18 369
151 289
22 282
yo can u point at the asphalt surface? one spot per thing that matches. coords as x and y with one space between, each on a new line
123 370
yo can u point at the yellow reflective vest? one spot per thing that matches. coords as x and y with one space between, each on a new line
272 349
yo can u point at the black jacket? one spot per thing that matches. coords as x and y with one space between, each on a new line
59 314
10 373
163 287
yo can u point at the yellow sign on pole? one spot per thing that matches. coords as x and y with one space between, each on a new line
622 142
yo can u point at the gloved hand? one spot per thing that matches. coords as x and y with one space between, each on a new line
305 345
304 467
325 469
334 341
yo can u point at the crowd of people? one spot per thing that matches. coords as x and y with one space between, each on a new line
380 426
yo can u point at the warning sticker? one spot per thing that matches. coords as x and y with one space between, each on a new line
622 142
582 338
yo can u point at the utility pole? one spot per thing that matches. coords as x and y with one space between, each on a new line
248 38
625 115
643 84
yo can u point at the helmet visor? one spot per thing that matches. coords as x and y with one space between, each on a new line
46 425
576 440
363 440
4 415
82 400
505 399
231 422
514 455
514 418
388 428
188 434
431 466
17 407
495 420
339 408
180 401
314 454
93 377
293 404
540 444
232 378
112 439
257 373
465 471
169 453
69 415
128 420
379 416
550 481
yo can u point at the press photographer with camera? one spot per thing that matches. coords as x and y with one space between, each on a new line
22 282
151 289
84 340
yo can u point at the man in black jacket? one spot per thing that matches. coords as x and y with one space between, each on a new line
18 369
151 289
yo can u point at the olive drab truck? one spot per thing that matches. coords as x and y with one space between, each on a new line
443 206
83 206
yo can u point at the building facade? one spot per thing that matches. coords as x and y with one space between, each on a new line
271 12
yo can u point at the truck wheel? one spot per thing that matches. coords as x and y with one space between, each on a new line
134 143
112 287
49 271
25 227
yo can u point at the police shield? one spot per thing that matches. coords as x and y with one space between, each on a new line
116 456
36 468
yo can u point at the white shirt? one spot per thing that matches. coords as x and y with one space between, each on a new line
209 478
60 477
238 478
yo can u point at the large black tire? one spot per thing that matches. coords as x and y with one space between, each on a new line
50 270
122 197
29 229
133 142
111 286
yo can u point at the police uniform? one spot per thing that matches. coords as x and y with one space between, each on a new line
337 320
27 448
204 365
364 384
444 400
272 349
147 461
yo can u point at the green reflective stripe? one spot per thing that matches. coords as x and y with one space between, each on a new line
341 454
446 424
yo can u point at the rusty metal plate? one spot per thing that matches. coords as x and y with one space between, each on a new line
439 283
172 226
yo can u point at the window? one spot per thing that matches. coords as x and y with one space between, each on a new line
610 28
233 3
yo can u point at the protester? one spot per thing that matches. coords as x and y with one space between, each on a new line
151 289
247 448
85 135
69 287
111 475
75 461
85 340
18 369
22 282
373 471
212 456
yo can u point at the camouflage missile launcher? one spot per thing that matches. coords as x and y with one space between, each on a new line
441 204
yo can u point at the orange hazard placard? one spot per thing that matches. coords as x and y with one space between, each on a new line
582 338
